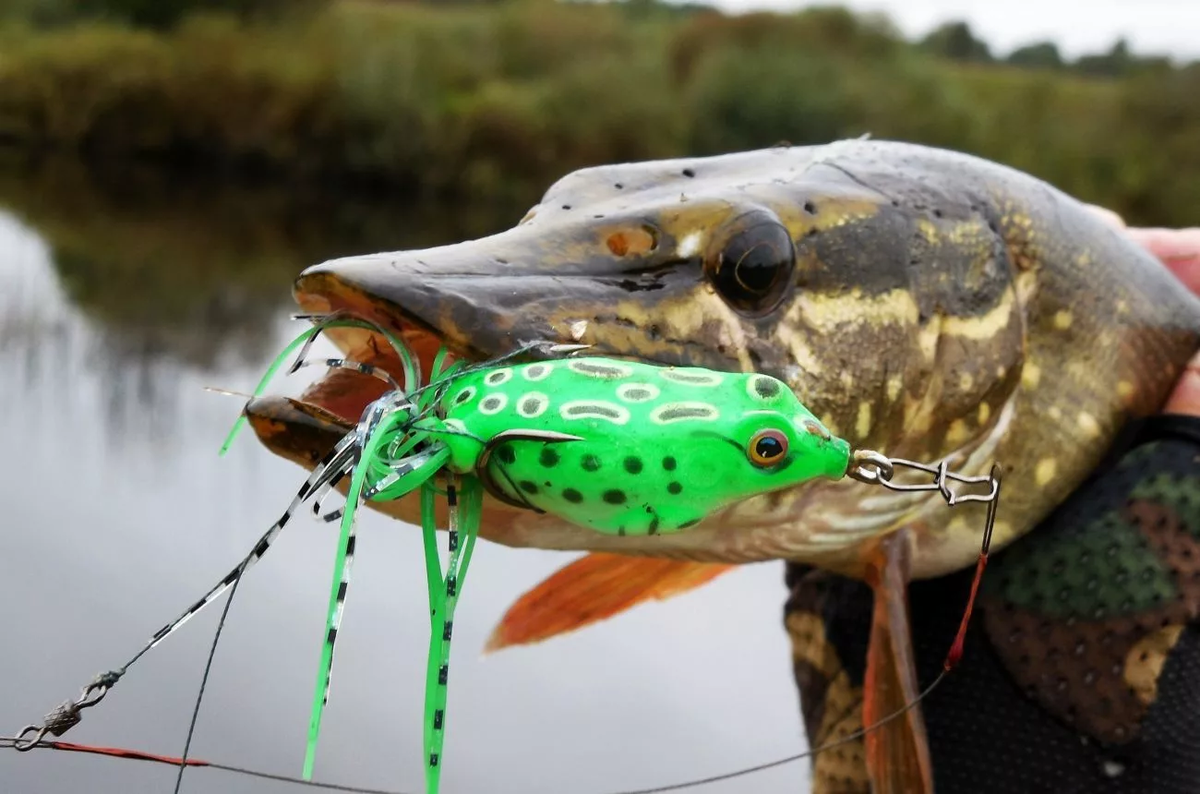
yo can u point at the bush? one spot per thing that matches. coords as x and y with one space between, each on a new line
501 98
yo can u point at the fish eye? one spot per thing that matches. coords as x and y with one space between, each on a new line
753 267
767 447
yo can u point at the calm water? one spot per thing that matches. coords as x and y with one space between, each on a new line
122 297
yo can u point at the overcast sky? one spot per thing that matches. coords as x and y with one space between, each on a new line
1152 26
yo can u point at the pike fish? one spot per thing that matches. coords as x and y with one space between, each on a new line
922 302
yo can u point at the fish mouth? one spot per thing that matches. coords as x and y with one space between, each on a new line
475 308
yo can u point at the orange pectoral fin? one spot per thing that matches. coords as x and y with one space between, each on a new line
897 751
592 589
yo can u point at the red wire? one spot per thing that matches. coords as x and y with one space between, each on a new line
8 742
121 752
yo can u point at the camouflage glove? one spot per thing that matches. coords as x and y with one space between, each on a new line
1082 666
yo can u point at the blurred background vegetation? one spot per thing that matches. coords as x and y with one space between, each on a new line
496 99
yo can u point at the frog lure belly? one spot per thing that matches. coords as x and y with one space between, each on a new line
615 446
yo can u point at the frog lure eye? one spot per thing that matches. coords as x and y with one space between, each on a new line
767 448
619 447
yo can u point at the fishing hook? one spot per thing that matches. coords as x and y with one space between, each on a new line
481 466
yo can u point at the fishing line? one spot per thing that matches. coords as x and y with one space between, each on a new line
137 755
212 652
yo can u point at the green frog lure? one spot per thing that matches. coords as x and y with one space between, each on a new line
620 447
568 437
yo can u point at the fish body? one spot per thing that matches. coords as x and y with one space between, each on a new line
921 302
647 449
925 303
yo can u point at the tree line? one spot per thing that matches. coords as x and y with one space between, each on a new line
496 99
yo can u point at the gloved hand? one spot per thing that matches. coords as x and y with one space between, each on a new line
1082 669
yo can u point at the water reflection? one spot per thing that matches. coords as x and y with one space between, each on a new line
154 259
168 273
120 298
